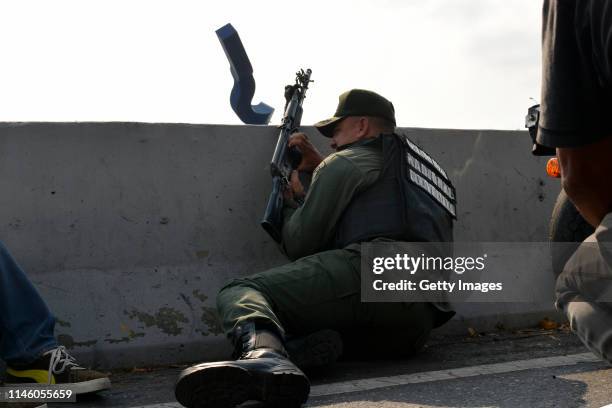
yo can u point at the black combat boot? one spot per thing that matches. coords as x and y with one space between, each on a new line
262 372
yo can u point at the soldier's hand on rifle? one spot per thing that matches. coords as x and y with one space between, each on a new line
294 191
310 155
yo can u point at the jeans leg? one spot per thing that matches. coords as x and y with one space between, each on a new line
26 324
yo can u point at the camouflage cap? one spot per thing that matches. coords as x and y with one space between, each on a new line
357 102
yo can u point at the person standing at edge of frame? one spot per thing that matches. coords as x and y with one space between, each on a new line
576 119
27 343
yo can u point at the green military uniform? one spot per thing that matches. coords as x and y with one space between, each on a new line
321 288
365 191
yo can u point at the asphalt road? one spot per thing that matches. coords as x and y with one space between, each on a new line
528 368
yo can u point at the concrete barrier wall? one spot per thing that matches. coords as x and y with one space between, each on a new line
129 229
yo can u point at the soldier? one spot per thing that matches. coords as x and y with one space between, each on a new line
359 193
575 119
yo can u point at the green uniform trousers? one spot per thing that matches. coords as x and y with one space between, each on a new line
322 291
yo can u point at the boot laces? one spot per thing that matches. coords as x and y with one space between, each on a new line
244 343
60 361
243 346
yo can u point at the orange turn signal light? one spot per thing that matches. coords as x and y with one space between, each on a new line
552 168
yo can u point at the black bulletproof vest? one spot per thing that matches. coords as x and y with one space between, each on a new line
413 200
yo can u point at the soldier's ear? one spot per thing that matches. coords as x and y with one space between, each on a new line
363 126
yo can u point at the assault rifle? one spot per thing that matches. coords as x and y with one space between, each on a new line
285 159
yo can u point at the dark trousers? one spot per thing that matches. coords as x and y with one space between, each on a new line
322 291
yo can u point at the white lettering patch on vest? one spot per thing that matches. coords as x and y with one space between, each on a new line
433 192
426 173
431 175
417 150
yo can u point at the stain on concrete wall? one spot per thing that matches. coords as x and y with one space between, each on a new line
209 316
167 319
69 342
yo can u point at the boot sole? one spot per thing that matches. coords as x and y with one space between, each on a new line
226 386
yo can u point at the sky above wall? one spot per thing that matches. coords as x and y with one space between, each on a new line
443 63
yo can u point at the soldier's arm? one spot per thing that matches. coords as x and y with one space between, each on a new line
311 227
